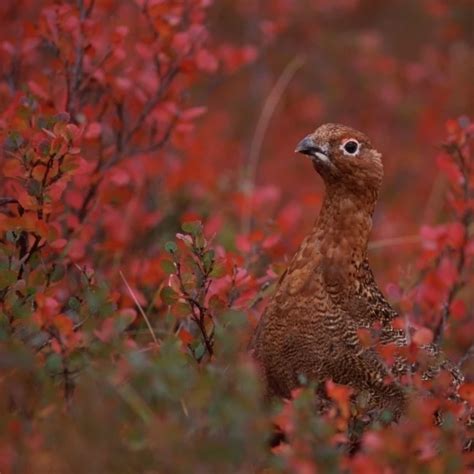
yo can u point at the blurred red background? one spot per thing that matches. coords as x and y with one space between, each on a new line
396 70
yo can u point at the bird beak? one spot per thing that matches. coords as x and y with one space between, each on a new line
307 146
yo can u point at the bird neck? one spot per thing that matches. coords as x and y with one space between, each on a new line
344 224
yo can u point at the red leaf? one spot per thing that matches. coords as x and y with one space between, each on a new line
182 43
466 391
455 235
365 337
12 168
341 395
206 62
106 331
192 113
289 216
58 244
458 309
27 201
93 131
37 90
398 323
119 177
270 241
449 169
423 336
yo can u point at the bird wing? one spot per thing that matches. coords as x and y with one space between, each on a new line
372 306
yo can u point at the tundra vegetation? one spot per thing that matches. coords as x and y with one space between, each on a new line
150 199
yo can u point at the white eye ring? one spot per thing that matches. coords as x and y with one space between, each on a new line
350 150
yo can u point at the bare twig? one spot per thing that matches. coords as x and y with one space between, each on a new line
74 72
453 291
7 200
152 103
25 258
87 79
469 353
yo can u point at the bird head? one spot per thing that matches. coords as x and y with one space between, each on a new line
344 157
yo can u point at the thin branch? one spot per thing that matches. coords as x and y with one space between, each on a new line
25 259
7 200
66 373
466 221
90 8
85 82
74 72
199 312
469 353
453 291
151 104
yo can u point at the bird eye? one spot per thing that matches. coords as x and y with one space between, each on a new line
351 147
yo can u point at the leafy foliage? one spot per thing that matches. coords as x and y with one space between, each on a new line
146 212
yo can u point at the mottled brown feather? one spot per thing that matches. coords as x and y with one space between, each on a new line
328 292
309 328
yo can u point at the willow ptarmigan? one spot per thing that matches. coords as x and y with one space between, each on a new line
310 327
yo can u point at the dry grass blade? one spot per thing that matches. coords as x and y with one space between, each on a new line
378 244
145 317
260 130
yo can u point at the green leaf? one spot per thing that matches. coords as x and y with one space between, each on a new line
208 260
58 272
74 303
44 148
234 319
98 302
4 327
181 310
34 188
386 416
69 163
216 304
200 241
168 295
192 227
171 247
21 309
7 278
168 266
54 363
218 270
13 141
199 351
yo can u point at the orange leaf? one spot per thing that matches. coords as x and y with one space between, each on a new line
340 394
185 336
398 323
365 337
63 324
